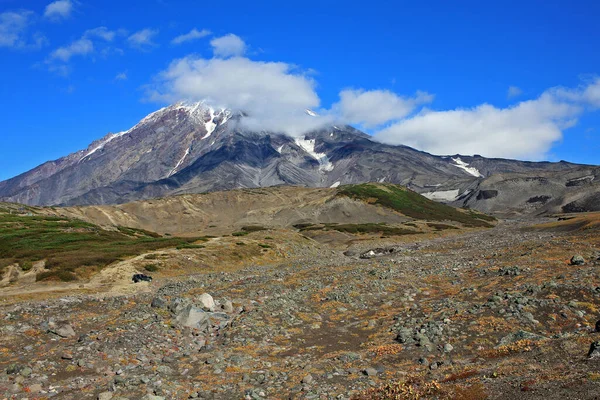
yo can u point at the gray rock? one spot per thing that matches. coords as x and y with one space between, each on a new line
448 347
14 369
158 302
227 306
577 260
105 396
193 317
519 335
62 329
370 371
307 379
207 302
594 351
404 335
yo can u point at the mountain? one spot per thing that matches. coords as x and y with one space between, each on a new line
195 148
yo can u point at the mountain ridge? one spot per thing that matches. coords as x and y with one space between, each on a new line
195 148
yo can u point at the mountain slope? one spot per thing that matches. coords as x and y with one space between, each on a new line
193 148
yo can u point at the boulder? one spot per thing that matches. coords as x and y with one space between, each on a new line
193 317
207 302
62 329
577 260
594 351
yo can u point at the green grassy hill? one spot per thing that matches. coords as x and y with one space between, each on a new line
412 204
70 246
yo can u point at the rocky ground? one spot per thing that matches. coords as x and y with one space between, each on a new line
496 313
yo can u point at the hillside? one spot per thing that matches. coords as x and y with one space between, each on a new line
74 243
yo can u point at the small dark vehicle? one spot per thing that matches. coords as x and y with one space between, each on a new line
141 278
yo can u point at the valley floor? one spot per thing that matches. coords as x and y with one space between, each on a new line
496 313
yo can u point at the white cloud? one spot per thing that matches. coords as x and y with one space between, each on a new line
228 46
513 91
592 93
587 93
273 94
59 10
14 31
101 32
375 107
191 35
122 76
80 47
526 130
143 39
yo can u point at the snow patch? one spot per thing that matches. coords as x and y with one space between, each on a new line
311 113
583 178
338 183
443 195
179 162
465 167
308 145
279 149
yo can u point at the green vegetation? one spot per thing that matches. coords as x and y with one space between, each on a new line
412 204
253 228
70 246
265 246
302 226
152 267
241 233
190 246
440 227
240 243
26 265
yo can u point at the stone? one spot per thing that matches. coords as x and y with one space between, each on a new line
448 348
519 335
404 335
307 379
62 329
370 371
67 355
26 372
14 369
152 397
158 302
577 260
207 302
164 369
227 306
35 388
105 396
594 351
193 317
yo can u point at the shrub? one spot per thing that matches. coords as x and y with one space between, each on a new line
253 228
151 267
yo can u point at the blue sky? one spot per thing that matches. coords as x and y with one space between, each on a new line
511 79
